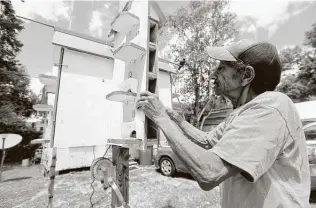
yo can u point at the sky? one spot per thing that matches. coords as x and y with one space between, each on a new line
281 22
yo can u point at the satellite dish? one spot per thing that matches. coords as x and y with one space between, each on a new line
10 140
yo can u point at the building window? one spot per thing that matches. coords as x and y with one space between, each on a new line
33 125
41 129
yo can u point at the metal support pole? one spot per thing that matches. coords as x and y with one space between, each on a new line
120 157
61 58
2 159
54 150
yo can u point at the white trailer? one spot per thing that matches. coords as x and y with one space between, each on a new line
79 119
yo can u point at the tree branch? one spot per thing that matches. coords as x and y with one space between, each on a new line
204 108
205 117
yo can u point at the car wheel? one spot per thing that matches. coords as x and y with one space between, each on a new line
167 167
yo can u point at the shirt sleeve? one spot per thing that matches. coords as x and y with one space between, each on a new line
252 140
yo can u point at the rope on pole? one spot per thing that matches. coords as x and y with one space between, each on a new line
52 179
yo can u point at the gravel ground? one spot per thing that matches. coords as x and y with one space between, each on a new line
148 189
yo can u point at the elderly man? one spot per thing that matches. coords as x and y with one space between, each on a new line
258 154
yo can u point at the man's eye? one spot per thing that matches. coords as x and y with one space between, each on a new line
220 68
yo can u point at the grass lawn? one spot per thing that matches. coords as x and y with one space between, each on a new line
25 187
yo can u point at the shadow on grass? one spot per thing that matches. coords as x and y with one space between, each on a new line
17 179
179 175
62 172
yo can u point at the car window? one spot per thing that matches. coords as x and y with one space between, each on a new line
310 136
310 131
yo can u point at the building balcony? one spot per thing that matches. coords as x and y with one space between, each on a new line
50 89
48 80
43 108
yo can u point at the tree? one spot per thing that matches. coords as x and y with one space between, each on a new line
10 27
311 37
16 99
14 81
200 24
292 57
302 85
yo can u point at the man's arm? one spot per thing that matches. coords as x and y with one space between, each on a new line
194 134
206 167
250 145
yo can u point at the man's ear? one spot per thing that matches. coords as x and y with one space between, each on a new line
248 75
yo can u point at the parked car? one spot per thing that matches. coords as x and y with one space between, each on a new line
169 163
310 132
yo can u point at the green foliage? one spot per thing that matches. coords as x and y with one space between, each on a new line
301 86
292 57
10 26
24 149
200 24
14 81
16 99
311 37
15 92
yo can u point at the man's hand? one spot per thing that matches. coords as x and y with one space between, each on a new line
176 117
152 106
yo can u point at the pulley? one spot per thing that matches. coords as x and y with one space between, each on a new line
102 169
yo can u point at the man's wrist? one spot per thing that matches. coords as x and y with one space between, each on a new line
174 116
163 120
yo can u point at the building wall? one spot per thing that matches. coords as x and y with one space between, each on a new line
164 88
78 156
36 123
84 116
85 119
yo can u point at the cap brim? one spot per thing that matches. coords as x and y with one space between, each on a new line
220 53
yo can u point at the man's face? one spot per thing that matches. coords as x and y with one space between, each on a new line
228 78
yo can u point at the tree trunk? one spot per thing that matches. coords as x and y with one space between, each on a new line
196 95
209 83
204 118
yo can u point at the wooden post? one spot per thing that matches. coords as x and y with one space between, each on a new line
120 156
54 150
2 159
52 179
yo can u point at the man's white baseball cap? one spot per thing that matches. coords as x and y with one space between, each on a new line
262 56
